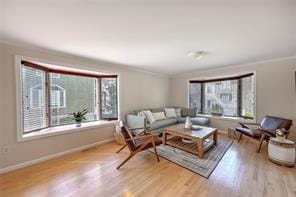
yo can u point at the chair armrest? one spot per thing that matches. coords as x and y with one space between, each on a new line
143 137
244 124
270 133
145 128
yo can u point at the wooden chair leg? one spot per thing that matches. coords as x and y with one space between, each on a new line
260 143
121 148
128 158
155 151
239 137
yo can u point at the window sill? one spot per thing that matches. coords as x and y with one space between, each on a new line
60 130
234 119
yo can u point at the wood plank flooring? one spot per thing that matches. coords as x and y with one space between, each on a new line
241 172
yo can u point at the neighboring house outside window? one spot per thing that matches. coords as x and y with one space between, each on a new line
48 98
233 96
58 96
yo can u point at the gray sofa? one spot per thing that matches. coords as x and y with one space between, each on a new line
134 121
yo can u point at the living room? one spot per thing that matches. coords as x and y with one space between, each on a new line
190 71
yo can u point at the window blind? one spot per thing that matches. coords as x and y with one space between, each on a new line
33 99
49 96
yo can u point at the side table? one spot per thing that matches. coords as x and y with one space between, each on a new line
281 152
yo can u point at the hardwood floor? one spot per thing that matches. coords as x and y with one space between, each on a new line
241 172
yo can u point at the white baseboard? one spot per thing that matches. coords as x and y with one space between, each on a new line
52 156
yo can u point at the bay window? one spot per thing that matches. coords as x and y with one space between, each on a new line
232 96
50 95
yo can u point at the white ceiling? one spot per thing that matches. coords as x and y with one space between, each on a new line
155 35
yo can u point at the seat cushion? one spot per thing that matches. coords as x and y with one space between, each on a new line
139 143
200 121
162 123
195 121
249 132
181 120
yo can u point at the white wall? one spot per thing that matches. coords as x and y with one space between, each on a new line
275 96
137 90
275 89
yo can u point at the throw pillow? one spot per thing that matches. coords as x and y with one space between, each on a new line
184 112
191 112
134 121
170 112
141 113
149 116
159 116
178 112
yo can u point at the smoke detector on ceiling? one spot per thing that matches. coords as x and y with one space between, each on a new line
197 55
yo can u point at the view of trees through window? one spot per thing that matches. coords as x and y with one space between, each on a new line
248 100
49 98
109 98
195 96
233 97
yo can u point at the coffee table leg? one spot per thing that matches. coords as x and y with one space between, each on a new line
200 148
215 137
164 137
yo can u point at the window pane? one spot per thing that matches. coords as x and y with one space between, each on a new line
195 96
33 99
109 98
70 94
248 94
221 98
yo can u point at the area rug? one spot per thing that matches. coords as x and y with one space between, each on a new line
203 167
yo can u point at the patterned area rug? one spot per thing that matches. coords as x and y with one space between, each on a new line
203 167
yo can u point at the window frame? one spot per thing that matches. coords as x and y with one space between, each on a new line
21 135
237 76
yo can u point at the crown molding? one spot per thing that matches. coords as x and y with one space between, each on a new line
65 55
198 71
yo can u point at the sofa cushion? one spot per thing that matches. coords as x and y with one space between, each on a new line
200 121
170 112
178 112
159 116
149 116
163 123
181 119
195 121
154 110
191 112
133 121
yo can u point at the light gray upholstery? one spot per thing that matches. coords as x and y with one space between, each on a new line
181 119
163 123
195 121
200 121
134 121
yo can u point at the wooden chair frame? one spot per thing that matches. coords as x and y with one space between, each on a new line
144 132
151 138
265 134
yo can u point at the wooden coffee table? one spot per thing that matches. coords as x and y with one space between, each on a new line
198 135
